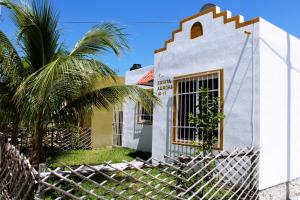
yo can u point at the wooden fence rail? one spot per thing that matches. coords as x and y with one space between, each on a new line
218 175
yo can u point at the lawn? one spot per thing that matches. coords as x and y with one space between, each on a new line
94 157
159 182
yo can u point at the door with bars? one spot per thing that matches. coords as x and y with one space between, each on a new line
117 126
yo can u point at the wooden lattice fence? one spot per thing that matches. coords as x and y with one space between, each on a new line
55 139
219 175
18 179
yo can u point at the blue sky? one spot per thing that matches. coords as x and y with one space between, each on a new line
150 22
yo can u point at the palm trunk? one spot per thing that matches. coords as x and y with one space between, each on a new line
15 131
37 144
81 121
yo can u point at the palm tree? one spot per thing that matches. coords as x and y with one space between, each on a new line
12 74
63 84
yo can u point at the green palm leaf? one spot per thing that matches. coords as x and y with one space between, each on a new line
100 39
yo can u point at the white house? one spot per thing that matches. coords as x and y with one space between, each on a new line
252 65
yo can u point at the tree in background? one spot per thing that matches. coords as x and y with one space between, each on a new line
63 85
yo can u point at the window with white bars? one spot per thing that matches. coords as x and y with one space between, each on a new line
186 100
144 116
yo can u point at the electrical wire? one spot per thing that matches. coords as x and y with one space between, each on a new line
124 22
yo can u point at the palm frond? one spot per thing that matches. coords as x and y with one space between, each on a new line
100 39
106 97
62 80
11 67
38 32
69 69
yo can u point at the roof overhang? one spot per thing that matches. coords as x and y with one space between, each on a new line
147 79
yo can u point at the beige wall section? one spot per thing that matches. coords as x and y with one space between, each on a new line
101 125
101 128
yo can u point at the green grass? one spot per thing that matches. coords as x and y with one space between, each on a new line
115 186
129 186
94 157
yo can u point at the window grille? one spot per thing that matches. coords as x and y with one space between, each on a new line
186 100
117 125
144 116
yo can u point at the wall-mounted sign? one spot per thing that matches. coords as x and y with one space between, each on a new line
163 86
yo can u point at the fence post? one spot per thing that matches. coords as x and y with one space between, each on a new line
39 193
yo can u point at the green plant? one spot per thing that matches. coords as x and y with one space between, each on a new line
63 84
206 120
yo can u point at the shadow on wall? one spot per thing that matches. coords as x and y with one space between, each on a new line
234 91
143 135
235 94
240 83
145 141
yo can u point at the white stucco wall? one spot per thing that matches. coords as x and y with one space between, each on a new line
136 136
280 106
262 98
221 46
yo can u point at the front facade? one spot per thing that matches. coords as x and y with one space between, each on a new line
252 66
222 55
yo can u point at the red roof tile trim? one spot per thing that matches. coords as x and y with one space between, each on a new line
147 78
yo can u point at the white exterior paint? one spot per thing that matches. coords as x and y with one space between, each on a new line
136 136
279 106
221 47
262 98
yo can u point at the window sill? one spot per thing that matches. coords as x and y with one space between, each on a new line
194 145
144 123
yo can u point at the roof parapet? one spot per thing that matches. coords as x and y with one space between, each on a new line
239 22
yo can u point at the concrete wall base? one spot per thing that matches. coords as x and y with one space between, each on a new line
279 192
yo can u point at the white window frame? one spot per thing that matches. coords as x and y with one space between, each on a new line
141 112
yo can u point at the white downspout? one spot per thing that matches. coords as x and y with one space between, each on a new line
253 90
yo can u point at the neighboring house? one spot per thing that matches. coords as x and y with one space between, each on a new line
106 125
138 122
252 65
